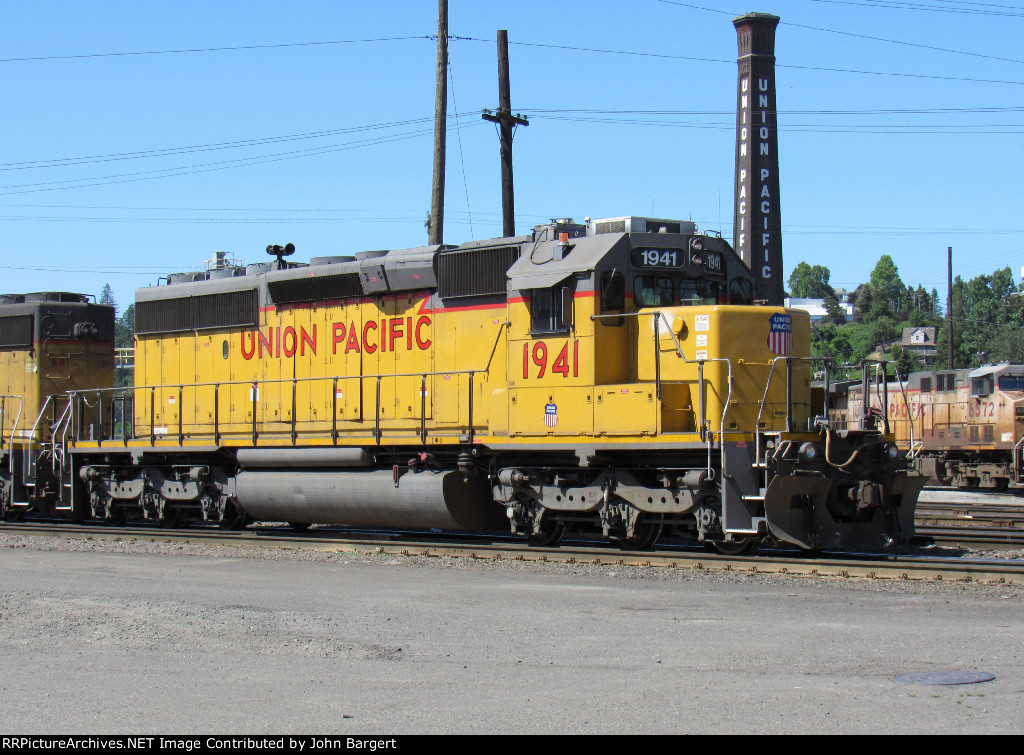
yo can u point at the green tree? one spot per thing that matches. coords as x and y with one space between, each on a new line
860 339
831 341
836 314
864 302
905 361
983 308
887 289
883 332
810 282
919 318
124 328
1009 344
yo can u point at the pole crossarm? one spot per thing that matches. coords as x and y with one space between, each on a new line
503 116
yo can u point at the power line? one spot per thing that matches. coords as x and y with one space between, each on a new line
932 77
206 167
171 151
981 9
207 49
868 36
850 128
872 111
572 48
541 113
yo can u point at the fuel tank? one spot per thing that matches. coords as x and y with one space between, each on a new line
369 498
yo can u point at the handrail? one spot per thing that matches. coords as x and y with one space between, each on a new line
789 407
660 314
910 411
14 427
35 427
1016 452
256 384
700 394
29 459
272 381
61 427
760 408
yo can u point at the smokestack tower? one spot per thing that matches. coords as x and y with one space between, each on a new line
757 224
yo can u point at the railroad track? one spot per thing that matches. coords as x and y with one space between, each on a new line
971 523
789 563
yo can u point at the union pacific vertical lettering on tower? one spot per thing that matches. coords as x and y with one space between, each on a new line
757 223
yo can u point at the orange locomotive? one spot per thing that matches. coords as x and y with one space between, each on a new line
961 427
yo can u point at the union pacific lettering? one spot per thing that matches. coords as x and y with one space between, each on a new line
384 335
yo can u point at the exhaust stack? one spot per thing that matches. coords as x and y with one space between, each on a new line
757 224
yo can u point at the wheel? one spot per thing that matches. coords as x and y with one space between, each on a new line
234 518
645 535
968 483
736 547
551 532
116 516
172 519
15 515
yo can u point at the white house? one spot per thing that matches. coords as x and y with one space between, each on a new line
816 308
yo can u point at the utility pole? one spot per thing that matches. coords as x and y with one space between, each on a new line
949 306
505 121
436 221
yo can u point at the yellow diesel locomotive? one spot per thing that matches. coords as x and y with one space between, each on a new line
612 376
51 344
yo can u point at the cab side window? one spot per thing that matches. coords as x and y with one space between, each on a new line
613 297
551 309
982 386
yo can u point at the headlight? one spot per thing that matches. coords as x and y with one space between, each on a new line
892 451
809 451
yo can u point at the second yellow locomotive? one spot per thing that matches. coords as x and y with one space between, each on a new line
612 375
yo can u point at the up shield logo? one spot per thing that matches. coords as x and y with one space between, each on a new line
780 334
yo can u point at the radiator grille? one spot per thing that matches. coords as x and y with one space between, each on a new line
319 288
227 310
475 272
16 330
611 226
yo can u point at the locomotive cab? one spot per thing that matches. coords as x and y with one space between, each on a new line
724 385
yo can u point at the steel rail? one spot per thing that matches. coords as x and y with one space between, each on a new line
975 537
781 563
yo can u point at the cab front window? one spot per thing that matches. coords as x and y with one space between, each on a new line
653 291
694 292
1013 383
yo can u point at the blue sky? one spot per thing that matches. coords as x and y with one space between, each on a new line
900 129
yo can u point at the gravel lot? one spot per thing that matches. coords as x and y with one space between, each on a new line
141 638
